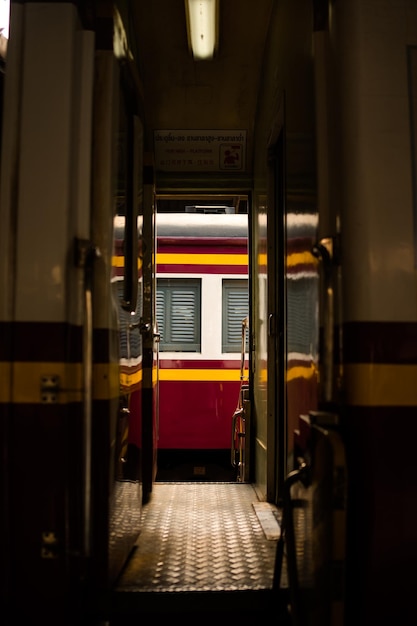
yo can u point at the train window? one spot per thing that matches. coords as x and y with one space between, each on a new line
235 306
178 311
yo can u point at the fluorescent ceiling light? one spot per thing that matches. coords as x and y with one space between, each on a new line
202 23
4 17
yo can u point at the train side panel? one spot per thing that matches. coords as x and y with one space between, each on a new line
377 201
44 305
352 165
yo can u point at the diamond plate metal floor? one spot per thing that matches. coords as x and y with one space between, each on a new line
200 537
200 544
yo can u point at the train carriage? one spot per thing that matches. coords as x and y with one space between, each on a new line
121 311
202 298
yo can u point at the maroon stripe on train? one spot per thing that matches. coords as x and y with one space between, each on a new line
40 341
299 245
120 271
51 341
105 342
203 269
5 341
380 342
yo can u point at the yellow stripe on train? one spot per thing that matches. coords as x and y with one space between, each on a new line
301 371
128 380
293 259
191 259
163 258
301 258
54 382
119 261
201 375
380 384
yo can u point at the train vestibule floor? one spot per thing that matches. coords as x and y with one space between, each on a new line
203 547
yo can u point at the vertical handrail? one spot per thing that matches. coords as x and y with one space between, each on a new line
87 423
239 433
86 253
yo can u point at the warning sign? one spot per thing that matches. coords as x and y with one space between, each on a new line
200 150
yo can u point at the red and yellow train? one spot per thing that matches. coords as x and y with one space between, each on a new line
202 298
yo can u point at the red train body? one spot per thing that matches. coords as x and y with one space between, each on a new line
199 371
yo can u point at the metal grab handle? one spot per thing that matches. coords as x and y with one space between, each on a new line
85 255
303 475
237 414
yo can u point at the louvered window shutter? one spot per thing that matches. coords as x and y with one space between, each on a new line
235 309
178 309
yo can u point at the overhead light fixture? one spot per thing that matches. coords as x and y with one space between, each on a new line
202 27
